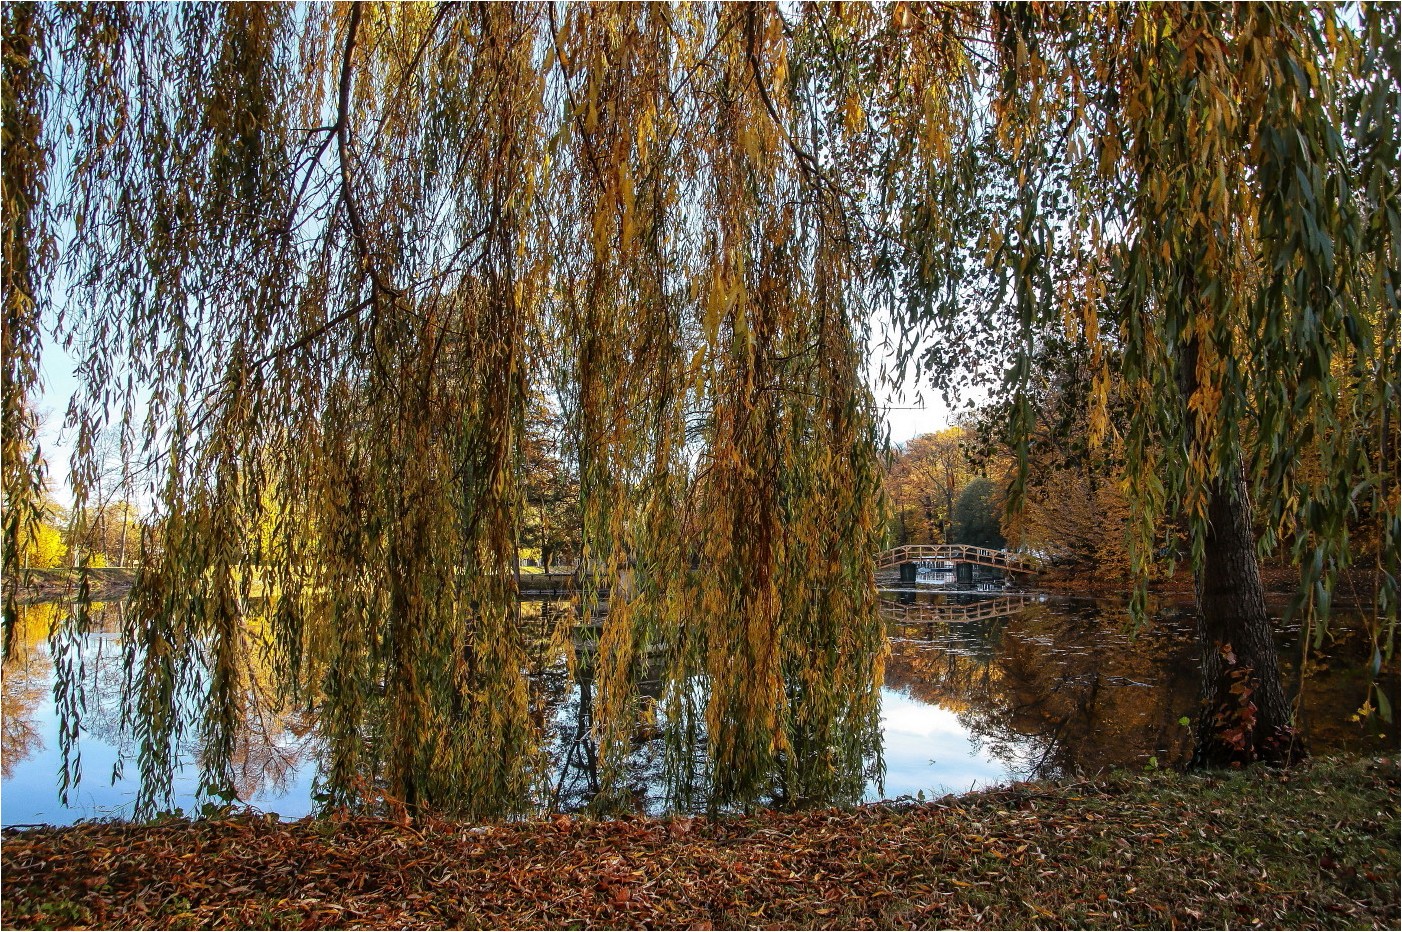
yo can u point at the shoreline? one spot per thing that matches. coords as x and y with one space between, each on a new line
1356 589
112 583
105 584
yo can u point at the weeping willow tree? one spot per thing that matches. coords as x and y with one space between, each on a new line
1205 194
313 262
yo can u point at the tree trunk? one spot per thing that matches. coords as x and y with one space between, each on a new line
1245 717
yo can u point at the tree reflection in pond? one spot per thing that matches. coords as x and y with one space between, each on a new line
24 685
1058 686
979 689
274 756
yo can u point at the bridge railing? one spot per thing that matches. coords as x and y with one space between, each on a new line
957 553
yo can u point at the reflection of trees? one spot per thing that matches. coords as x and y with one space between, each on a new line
1062 688
575 761
560 656
1046 687
25 681
24 684
573 748
1337 680
275 742
1053 692
279 738
92 659
23 689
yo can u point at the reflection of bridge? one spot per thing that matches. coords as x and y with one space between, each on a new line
929 613
913 554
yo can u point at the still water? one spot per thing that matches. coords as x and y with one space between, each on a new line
981 688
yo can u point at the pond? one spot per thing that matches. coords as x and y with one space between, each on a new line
981 688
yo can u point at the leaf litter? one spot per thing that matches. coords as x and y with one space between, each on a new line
1312 847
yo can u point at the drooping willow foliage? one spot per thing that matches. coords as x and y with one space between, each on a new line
1203 199
26 250
314 261
1164 180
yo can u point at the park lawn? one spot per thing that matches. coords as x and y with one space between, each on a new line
1312 847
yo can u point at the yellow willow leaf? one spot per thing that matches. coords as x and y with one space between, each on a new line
852 113
1090 320
601 231
643 136
1070 324
750 141
591 111
715 306
995 242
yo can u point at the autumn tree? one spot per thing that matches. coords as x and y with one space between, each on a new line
1073 510
1208 195
43 542
314 259
104 529
26 249
977 515
41 546
923 480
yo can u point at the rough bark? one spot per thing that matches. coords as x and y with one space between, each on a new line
1245 715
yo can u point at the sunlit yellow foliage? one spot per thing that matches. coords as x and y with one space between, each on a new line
923 481
42 547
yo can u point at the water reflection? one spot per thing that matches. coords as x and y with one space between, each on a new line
571 746
1053 687
980 688
274 757
912 608
1051 690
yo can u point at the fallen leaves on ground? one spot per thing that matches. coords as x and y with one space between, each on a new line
1312 847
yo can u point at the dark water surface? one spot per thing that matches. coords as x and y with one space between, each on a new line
981 688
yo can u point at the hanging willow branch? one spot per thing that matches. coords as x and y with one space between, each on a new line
322 256
672 222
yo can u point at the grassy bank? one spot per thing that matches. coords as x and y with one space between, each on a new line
1316 847
104 583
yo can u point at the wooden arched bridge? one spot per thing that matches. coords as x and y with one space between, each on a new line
956 554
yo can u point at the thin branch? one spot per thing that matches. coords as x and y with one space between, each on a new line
569 92
357 223
312 334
